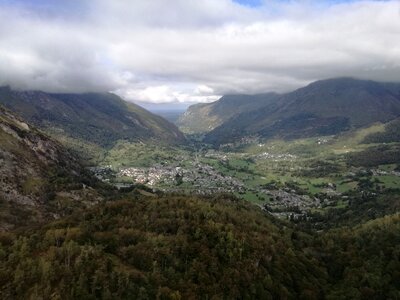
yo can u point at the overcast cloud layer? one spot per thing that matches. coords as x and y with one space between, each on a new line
194 50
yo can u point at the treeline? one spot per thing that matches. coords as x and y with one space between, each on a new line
390 135
374 156
362 206
319 168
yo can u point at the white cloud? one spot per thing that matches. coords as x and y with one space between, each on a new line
191 51
169 94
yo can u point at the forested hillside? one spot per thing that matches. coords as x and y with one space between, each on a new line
175 247
89 122
171 247
391 134
325 107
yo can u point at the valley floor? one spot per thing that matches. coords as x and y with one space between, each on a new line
290 179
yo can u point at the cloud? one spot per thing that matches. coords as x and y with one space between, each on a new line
168 94
194 51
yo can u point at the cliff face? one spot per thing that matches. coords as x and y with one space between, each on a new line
39 179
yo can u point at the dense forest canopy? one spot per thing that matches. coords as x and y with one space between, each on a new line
176 247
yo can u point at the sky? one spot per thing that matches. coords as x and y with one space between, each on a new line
188 51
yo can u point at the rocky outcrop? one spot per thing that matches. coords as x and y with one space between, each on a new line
35 175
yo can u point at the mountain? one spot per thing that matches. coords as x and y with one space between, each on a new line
98 119
39 179
204 117
324 107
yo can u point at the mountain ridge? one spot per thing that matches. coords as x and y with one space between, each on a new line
323 107
216 113
98 118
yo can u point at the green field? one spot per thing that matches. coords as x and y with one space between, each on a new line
329 168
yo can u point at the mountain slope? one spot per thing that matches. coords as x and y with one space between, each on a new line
39 180
205 117
391 134
180 247
321 108
97 118
170 247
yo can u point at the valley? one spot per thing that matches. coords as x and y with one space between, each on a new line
299 171
131 217
200 150
290 179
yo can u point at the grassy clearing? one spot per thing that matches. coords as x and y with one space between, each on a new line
343 187
253 197
389 181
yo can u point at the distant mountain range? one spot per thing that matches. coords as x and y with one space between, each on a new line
204 117
322 108
93 118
